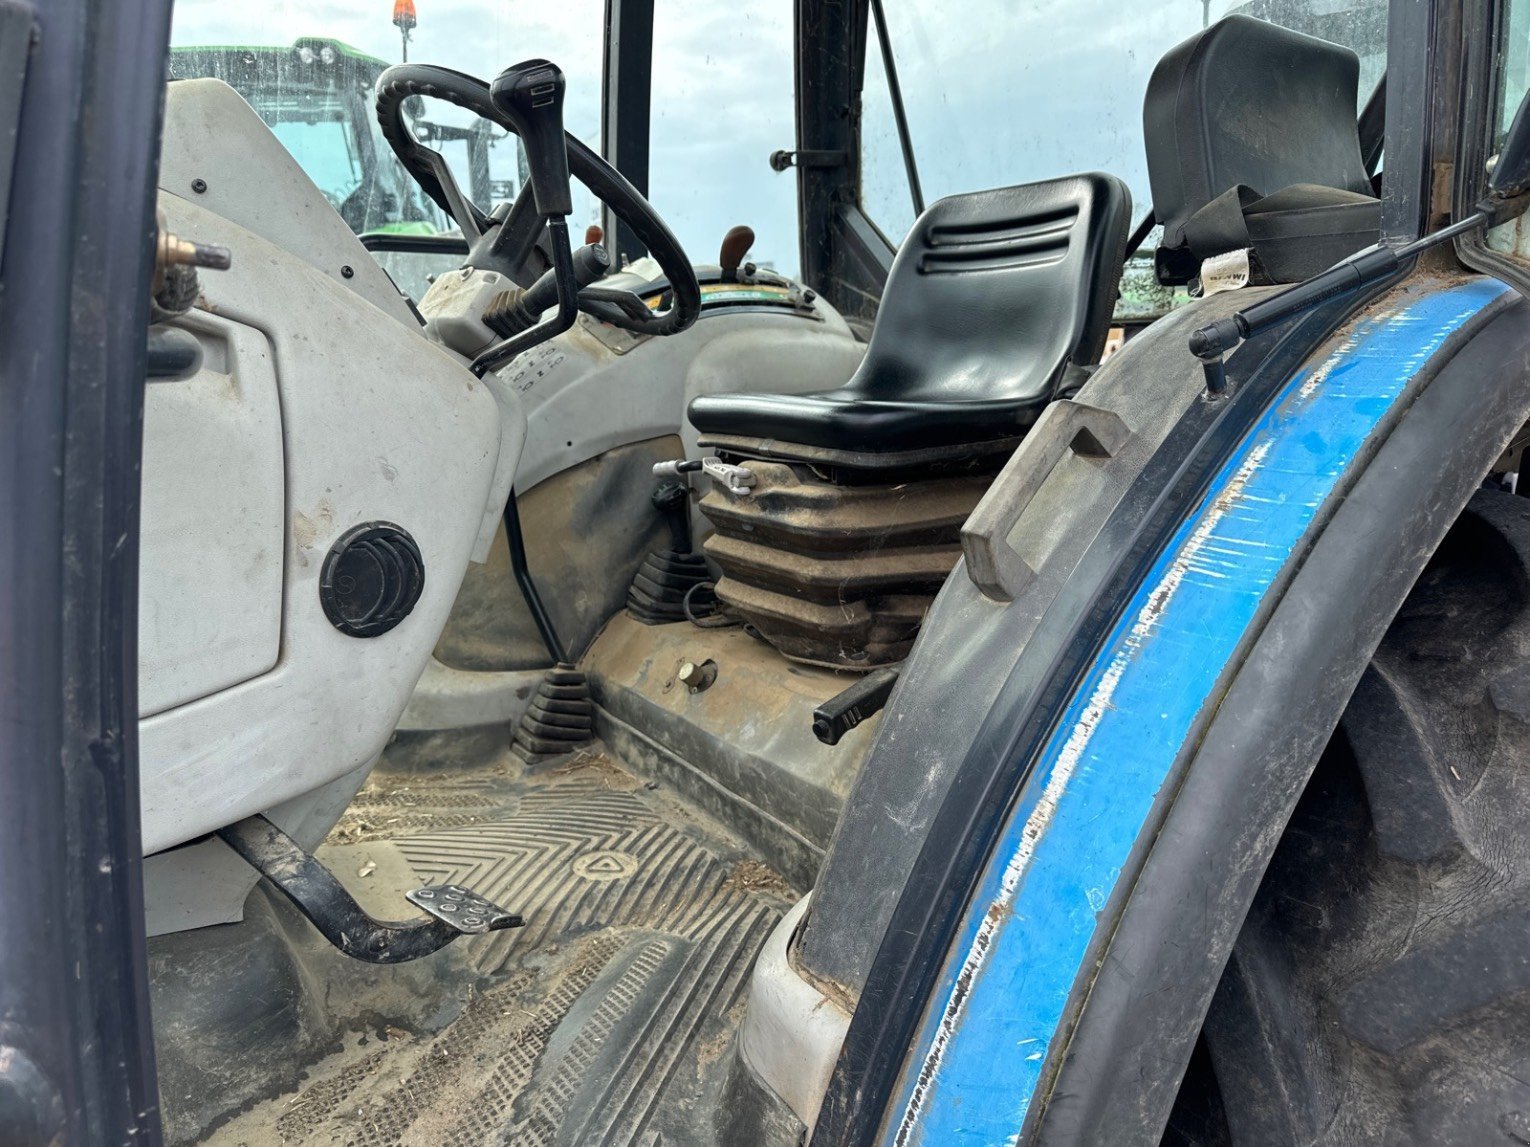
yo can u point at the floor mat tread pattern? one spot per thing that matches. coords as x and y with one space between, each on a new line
602 1021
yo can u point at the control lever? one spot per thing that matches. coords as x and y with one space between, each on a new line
844 711
516 310
530 96
735 246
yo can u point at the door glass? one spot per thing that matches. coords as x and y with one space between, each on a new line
309 71
1513 81
884 180
722 102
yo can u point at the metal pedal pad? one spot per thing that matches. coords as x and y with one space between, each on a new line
463 909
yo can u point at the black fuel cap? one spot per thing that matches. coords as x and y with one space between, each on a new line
371 580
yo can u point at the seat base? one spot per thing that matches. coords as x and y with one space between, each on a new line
837 575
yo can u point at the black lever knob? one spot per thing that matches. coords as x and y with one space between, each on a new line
530 95
673 501
735 246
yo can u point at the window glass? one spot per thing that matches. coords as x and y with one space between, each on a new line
1514 59
309 69
722 102
884 179
326 151
1512 238
1040 88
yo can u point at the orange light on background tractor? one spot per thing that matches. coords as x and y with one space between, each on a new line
404 20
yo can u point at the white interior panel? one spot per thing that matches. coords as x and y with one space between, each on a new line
377 425
246 175
210 588
582 399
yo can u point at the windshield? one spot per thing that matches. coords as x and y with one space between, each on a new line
1041 88
309 71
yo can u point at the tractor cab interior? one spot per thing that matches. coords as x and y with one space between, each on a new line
560 605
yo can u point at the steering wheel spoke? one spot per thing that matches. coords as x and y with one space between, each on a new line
472 221
515 238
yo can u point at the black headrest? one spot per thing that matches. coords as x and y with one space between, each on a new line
1249 104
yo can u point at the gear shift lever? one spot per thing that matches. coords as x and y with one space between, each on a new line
530 95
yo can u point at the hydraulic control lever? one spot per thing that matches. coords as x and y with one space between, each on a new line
735 246
844 711
530 96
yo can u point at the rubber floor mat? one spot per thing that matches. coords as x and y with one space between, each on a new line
602 1021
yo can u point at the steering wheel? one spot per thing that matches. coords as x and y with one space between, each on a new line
506 240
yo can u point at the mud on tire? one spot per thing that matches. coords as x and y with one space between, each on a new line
1379 991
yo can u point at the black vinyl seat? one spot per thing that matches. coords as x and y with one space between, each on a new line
992 296
993 299
1253 143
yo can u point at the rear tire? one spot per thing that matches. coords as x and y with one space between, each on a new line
1379 991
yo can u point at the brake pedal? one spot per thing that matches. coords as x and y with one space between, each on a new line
318 894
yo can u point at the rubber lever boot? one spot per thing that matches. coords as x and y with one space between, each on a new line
658 592
530 95
735 246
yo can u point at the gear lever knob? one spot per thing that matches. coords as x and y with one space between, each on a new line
530 95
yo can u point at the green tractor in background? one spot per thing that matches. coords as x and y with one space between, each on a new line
316 96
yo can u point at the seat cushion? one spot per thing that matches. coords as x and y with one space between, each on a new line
845 421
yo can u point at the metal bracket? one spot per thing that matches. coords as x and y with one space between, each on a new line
454 911
736 479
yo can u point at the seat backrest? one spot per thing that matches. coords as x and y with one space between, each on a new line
993 293
1245 103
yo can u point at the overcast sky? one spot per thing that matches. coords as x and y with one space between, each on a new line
997 93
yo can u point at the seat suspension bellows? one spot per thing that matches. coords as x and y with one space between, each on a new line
837 575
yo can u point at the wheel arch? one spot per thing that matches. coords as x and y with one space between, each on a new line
1218 826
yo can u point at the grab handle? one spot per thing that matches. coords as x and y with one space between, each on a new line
994 565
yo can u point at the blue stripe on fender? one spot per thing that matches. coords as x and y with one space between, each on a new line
1024 939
